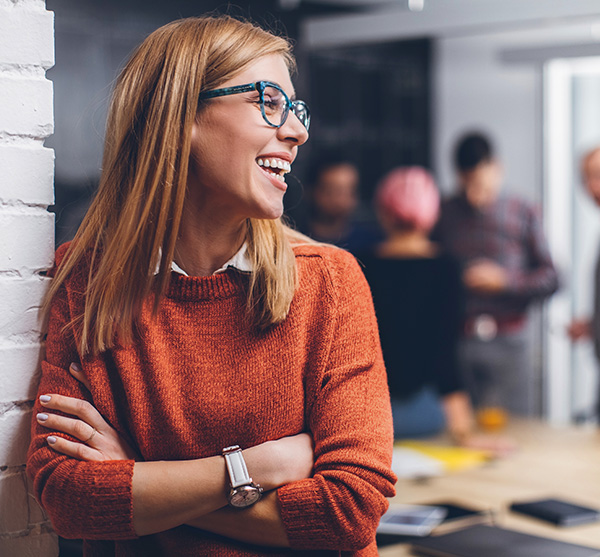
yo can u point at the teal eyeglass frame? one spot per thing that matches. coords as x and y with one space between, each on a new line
299 108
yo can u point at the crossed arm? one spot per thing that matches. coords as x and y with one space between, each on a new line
167 494
336 506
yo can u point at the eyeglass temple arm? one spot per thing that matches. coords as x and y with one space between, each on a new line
229 91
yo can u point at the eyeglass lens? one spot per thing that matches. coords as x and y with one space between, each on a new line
302 113
276 108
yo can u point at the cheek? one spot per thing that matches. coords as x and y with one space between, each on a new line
594 187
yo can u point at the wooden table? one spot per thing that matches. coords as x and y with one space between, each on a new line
550 462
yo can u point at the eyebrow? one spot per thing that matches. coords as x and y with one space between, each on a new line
291 97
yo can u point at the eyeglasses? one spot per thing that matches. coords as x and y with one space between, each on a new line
275 105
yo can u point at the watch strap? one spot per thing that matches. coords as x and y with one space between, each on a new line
236 467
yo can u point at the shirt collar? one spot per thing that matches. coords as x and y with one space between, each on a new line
240 261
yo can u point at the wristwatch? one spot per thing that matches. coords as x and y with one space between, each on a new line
244 492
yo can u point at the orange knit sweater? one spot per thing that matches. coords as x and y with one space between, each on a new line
197 379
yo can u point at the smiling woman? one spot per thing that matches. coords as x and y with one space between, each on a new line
213 382
232 133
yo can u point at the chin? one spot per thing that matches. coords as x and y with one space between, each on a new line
273 214
272 209
266 213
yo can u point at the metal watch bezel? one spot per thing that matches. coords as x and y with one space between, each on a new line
245 495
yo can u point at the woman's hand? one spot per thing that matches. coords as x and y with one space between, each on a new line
461 425
99 441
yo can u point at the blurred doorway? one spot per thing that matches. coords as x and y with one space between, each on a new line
571 127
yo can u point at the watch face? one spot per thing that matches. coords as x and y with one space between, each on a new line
244 496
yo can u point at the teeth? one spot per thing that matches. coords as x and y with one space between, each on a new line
275 163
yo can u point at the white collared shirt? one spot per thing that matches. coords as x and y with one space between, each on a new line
240 261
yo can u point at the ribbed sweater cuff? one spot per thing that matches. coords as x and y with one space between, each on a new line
305 517
101 503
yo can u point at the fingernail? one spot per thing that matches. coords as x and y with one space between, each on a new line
45 398
51 440
42 417
76 366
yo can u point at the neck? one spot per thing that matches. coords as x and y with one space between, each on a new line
407 243
203 247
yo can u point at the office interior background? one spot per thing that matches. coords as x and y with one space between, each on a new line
394 83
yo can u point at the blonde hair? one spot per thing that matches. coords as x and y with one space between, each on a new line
132 225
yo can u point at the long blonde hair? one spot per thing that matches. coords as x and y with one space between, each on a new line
132 225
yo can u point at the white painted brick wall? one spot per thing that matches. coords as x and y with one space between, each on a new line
18 383
26 35
26 252
26 175
31 249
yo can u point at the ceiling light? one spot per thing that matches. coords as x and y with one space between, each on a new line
416 5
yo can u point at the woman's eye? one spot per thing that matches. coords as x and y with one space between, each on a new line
272 106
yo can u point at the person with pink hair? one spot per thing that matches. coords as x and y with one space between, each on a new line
407 198
418 296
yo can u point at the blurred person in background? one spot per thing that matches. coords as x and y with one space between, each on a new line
333 203
589 328
418 296
506 263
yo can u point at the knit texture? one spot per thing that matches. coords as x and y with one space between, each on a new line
197 378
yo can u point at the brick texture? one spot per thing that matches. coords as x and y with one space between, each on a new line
26 36
32 248
26 107
13 487
27 175
15 424
17 380
26 251
20 307
34 545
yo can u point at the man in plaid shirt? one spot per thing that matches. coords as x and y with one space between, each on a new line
506 265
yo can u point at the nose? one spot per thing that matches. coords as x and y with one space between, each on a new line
293 130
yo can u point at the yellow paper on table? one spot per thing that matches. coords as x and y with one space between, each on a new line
453 458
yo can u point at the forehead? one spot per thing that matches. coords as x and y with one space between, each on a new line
483 168
266 68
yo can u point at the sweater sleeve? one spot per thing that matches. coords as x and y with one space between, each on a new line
91 500
349 417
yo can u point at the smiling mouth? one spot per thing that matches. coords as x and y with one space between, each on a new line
276 167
